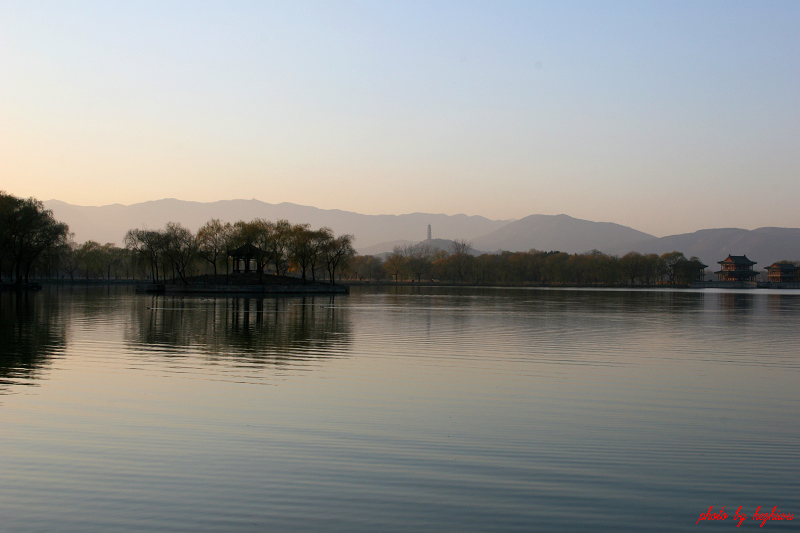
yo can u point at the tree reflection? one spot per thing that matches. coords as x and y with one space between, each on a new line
32 331
282 330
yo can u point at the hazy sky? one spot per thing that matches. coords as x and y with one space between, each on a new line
665 116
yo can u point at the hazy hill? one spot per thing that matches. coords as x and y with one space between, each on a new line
763 245
109 223
376 234
559 232
385 247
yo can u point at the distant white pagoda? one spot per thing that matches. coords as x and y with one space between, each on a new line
429 232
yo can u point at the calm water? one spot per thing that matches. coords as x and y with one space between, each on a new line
398 410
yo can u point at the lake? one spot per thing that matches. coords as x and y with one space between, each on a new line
399 409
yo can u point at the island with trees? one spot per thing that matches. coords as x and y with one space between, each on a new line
257 256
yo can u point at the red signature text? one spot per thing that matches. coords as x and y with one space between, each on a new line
721 515
772 516
740 517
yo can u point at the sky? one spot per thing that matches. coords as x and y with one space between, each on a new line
666 116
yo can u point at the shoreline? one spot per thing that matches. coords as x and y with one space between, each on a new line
142 286
179 288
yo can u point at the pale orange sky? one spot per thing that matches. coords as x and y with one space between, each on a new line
667 117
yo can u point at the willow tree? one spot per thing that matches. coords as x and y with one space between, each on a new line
180 247
213 241
149 246
27 231
337 252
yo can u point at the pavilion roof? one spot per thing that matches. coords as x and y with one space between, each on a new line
783 267
248 250
738 259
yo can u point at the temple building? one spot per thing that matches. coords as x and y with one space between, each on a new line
783 272
736 268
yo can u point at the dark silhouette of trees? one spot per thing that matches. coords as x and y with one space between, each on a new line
283 246
593 268
148 246
213 240
319 239
336 253
688 270
308 249
654 268
172 249
180 248
89 259
302 248
555 269
305 252
520 266
394 264
461 259
279 237
632 266
671 260
28 232
68 258
368 267
487 268
417 259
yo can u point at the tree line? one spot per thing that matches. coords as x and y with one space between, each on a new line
34 243
421 262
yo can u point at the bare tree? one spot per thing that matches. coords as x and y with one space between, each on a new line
148 245
277 237
301 247
418 259
671 261
319 242
461 259
633 266
337 252
394 264
213 240
69 257
180 247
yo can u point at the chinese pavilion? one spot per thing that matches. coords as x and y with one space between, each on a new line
736 268
782 272
245 259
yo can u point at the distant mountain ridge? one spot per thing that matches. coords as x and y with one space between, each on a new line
109 223
559 232
377 234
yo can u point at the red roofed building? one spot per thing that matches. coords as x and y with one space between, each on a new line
782 272
736 268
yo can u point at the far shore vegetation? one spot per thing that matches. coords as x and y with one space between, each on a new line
34 246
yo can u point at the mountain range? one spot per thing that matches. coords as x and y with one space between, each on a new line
109 223
375 234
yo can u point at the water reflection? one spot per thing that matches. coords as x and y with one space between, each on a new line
460 409
259 330
32 332
783 304
736 302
